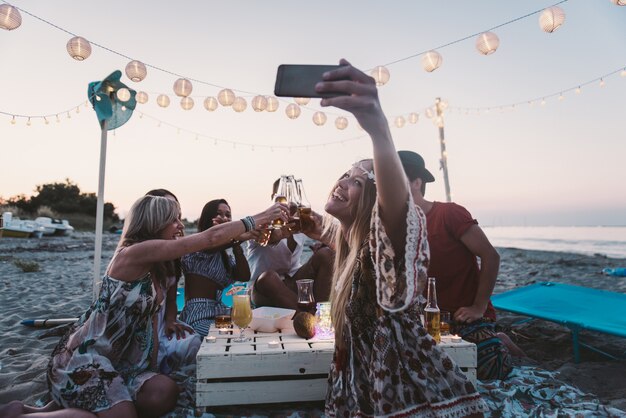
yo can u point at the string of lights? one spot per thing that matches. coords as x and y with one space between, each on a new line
245 145
79 48
342 122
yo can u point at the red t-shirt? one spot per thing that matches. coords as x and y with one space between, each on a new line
452 264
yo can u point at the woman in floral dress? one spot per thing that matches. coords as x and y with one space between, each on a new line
385 363
107 362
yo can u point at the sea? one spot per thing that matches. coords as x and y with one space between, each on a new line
609 241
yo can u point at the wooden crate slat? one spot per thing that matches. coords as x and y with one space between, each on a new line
245 393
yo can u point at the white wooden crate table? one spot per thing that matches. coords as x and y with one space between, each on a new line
253 372
279 367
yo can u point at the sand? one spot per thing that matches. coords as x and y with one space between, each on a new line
62 288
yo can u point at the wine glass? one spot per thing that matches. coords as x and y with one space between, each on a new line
241 313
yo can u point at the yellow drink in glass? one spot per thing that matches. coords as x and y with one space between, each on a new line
241 314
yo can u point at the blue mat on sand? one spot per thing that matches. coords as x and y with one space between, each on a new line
576 307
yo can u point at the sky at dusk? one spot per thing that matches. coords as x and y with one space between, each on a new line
557 163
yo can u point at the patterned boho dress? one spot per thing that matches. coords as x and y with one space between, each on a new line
110 352
389 365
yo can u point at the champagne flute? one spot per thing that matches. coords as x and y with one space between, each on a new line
241 313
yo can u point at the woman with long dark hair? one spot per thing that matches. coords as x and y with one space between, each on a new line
208 272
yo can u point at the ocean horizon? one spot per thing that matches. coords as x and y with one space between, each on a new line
609 241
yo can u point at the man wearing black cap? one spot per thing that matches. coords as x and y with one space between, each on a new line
463 287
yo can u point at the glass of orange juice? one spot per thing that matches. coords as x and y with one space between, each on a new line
241 313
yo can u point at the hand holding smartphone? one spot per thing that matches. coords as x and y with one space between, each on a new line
300 80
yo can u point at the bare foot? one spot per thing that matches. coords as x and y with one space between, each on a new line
513 348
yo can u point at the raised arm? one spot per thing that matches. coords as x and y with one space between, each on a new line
137 259
359 96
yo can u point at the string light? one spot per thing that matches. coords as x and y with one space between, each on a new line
28 122
433 57
13 121
576 89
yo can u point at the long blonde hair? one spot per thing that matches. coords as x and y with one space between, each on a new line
347 246
148 217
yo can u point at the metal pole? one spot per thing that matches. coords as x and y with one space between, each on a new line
442 143
100 213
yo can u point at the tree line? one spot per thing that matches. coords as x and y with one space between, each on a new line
63 198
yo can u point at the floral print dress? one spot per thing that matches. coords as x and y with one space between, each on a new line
109 353
389 365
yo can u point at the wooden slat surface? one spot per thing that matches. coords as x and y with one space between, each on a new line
257 373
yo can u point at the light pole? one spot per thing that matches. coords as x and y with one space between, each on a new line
440 107
113 103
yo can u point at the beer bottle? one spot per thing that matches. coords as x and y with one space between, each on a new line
431 312
304 209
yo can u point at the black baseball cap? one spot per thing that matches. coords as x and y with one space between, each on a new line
414 166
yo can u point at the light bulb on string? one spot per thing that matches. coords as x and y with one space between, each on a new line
302 101
58 119
45 119
259 103
69 116
79 48
561 97
123 94
292 111
10 17
319 118
182 87
77 109
226 97
142 97
13 121
272 104
551 19
578 90
602 82
341 123
623 73
543 102
186 103
211 103
381 75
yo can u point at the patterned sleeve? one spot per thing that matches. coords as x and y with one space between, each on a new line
399 284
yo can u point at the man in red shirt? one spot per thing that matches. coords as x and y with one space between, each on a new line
464 287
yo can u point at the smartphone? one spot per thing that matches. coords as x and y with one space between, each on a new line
300 80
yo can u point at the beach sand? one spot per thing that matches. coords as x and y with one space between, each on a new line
63 288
